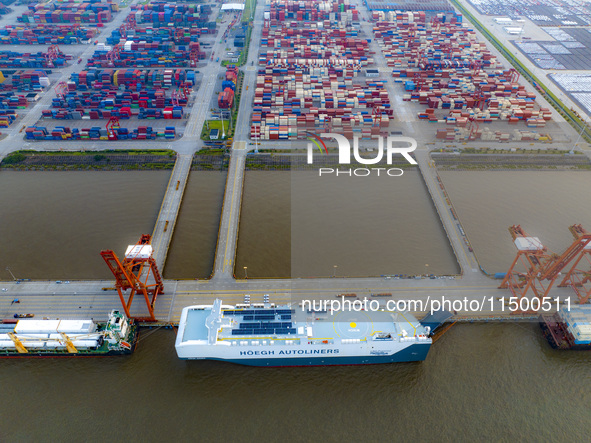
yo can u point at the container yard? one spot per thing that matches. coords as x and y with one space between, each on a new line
17 90
52 58
43 34
442 66
121 98
311 79
408 5
137 74
157 35
96 94
97 12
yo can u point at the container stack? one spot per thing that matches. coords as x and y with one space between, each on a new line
142 54
178 35
409 5
96 133
98 12
133 79
157 15
313 57
102 94
10 100
226 97
578 321
444 67
45 34
29 80
7 117
11 59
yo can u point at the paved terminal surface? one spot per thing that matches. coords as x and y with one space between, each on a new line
94 299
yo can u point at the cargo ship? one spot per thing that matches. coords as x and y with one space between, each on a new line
569 328
265 335
27 337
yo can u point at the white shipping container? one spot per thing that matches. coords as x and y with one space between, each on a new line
36 326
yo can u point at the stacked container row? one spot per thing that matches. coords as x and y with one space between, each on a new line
147 55
178 35
312 57
10 59
28 80
133 79
444 66
69 12
96 133
46 34
167 15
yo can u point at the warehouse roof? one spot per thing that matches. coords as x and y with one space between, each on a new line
233 6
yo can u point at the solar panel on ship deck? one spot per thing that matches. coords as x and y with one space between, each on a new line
285 311
248 317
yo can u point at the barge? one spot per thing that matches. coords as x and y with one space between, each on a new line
568 329
68 338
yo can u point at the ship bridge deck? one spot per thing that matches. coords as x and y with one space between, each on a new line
195 327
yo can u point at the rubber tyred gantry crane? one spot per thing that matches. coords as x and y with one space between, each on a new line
138 274
111 127
60 90
128 25
181 93
52 53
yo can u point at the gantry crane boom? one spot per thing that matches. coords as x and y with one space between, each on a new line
542 267
579 275
137 273
533 257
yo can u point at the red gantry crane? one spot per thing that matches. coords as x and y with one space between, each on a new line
137 273
111 126
527 267
52 53
128 25
60 90
579 275
539 266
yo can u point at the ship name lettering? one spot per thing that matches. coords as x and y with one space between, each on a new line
257 352
306 351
